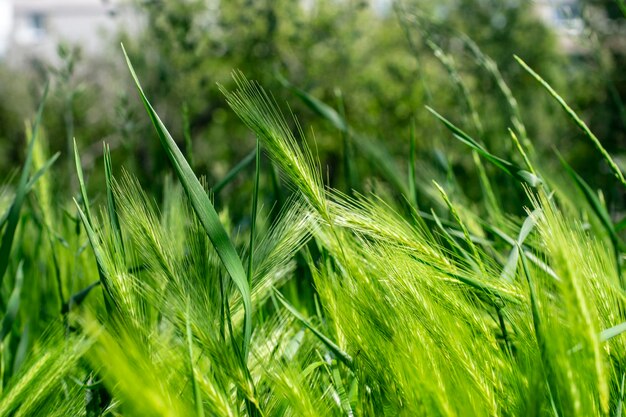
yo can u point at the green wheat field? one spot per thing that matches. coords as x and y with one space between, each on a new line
394 295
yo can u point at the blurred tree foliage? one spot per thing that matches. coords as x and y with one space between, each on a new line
387 62
377 57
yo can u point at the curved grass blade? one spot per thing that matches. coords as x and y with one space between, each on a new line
600 211
197 393
111 204
373 151
582 125
247 160
343 399
412 168
506 166
95 246
347 153
31 182
13 304
255 200
204 210
13 216
539 334
81 184
77 299
509 270
591 197
341 355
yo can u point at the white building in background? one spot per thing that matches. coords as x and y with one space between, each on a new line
34 28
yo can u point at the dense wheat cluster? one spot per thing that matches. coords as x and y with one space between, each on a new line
397 295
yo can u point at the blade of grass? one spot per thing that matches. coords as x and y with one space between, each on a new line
204 210
187 134
341 355
247 160
95 246
506 166
620 404
14 303
412 170
342 395
197 393
13 217
509 270
255 199
111 204
601 213
31 183
541 341
579 122
77 299
348 160
81 184
378 155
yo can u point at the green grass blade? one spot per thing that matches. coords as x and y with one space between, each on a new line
13 304
541 341
81 184
371 149
95 245
41 171
13 217
77 299
579 122
344 400
255 200
592 199
247 160
612 332
31 183
506 166
620 404
510 268
204 210
347 154
187 134
341 355
412 169
111 204
197 393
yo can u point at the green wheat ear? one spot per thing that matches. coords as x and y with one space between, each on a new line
204 210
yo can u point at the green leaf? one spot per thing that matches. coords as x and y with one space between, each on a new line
620 404
197 393
95 245
255 200
77 299
81 184
579 122
204 210
13 216
592 199
247 160
373 151
529 223
506 166
339 353
13 304
31 183
412 168
111 204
